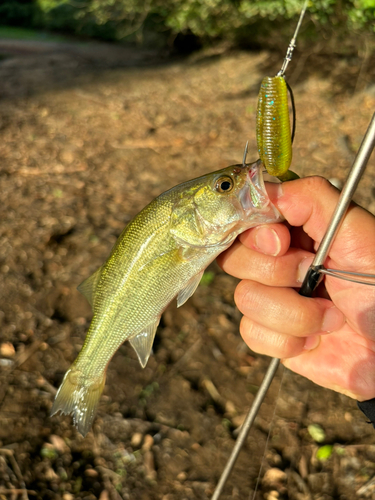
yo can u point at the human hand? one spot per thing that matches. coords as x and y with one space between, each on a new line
330 338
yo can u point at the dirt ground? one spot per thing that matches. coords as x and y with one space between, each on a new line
89 137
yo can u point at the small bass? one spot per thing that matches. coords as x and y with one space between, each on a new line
160 255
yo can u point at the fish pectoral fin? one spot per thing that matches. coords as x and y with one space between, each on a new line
88 286
189 289
142 343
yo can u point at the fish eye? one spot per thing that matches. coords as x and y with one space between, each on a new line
224 184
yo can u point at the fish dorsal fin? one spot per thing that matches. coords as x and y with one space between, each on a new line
87 287
142 343
189 289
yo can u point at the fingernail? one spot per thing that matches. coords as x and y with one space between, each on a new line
311 342
280 190
333 319
267 241
303 268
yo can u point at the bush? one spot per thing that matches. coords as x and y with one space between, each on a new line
17 13
240 21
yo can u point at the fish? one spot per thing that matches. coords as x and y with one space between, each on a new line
160 255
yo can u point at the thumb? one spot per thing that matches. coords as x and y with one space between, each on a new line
270 239
308 202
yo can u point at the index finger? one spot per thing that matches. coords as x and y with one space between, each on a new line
310 202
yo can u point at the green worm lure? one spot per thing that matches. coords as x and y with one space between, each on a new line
273 129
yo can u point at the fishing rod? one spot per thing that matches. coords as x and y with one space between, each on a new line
312 279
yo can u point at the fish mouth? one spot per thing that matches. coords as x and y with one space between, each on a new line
254 197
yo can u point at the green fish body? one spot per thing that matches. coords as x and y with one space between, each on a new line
160 255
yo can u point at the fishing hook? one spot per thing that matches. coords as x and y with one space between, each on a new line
311 281
245 154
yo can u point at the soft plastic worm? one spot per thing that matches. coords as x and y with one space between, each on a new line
273 128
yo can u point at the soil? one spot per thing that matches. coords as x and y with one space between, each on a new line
88 137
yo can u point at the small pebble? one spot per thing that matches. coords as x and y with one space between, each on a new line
7 350
58 443
6 362
50 474
91 473
238 420
136 440
230 408
273 495
182 476
273 477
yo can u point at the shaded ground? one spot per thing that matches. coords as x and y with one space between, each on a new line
86 142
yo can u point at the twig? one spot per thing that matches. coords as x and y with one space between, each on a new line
363 68
10 454
367 488
213 392
5 491
108 475
301 484
47 386
24 356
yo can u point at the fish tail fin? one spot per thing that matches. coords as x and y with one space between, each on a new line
79 396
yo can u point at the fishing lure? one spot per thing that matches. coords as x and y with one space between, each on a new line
273 131
274 137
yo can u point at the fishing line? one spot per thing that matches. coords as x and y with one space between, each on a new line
349 276
272 425
265 127
287 59
292 43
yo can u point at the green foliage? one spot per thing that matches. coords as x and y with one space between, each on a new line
147 391
222 18
139 20
324 452
316 432
340 450
63 15
49 453
207 278
28 34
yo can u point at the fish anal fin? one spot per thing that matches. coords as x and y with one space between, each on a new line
80 397
189 289
88 286
142 343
